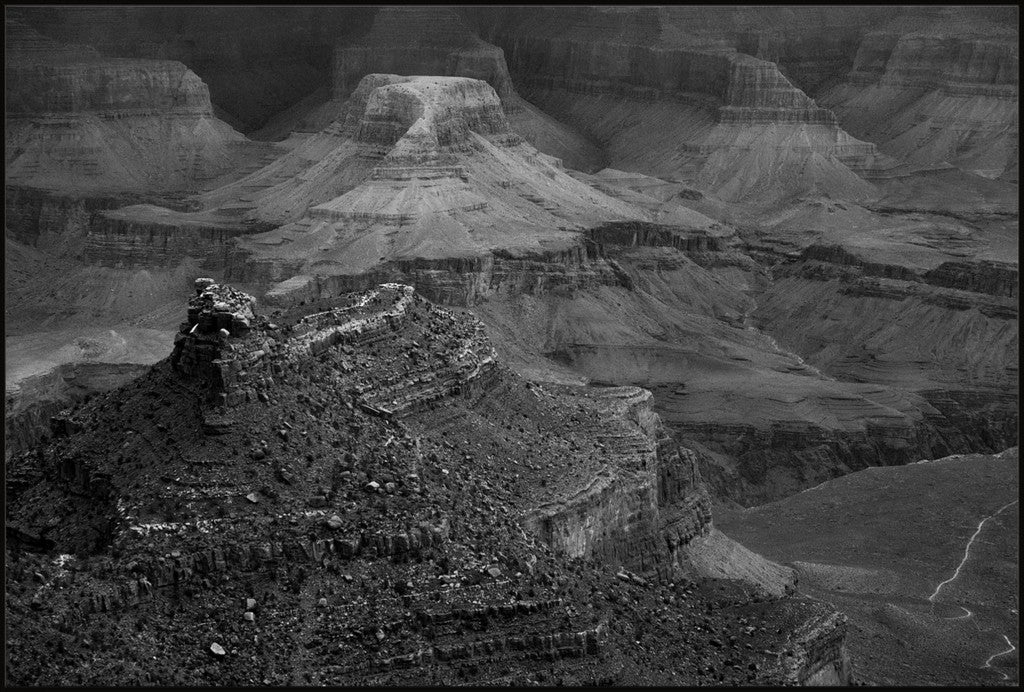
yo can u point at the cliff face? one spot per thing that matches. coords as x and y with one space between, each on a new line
956 344
257 61
116 87
678 106
77 121
937 89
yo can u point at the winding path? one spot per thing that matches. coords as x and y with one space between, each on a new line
988 663
968 613
967 550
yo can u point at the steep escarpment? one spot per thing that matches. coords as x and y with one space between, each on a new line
257 61
937 88
419 41
679 108
948 333
811 45
365 529
79 121
672 318
923 303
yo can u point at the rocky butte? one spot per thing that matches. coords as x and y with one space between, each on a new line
290 496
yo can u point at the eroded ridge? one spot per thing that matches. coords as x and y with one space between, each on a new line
358 486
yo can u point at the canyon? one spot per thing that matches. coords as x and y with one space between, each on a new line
732 253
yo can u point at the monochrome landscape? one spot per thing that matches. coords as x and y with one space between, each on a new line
511 345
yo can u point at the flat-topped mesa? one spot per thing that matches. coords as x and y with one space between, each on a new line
421 40
436 41
424 125
421 118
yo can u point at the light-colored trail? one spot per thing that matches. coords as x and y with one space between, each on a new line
967 614
988 663
967 550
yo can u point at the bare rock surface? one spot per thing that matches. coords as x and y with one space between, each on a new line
257 61
432 566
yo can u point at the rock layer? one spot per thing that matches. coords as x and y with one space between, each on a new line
430 170
437 41
599 71
76 120
937 89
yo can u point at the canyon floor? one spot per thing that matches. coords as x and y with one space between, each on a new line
922 557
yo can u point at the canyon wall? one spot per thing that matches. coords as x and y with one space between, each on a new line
257 61
937 88
79 121
956 345
678 106
28 410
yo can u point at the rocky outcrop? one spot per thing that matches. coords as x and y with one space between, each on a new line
640 511
386 484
